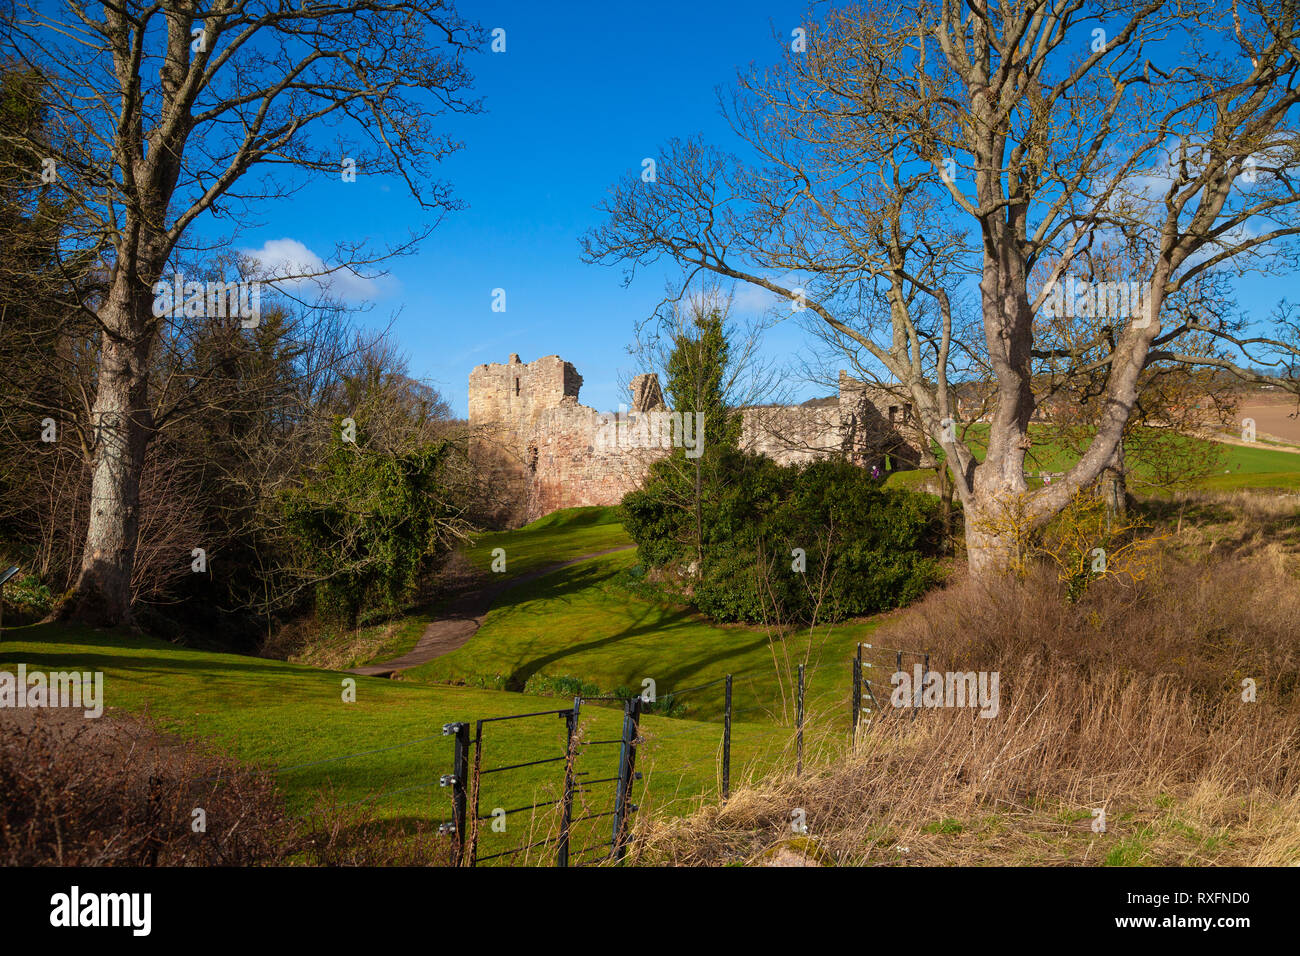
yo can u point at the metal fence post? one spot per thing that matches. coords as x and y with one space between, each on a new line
566 812
626 774
474 789
857 691
916 696
458 780
898 666
726 741
798 770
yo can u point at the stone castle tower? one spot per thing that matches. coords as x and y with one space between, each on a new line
531 437
542 450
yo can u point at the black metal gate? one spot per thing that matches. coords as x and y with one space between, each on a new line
473 771
869 689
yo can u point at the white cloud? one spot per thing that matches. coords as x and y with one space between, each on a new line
291 266
753 298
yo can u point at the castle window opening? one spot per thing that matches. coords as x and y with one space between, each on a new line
516 384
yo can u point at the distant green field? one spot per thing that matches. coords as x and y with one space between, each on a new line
1254 466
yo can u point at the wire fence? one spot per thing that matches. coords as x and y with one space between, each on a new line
868 689
562 786
583 784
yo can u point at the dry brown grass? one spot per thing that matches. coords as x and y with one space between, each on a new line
1129 699
119 792
115 792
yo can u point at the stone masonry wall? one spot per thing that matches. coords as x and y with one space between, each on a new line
544 450
534 441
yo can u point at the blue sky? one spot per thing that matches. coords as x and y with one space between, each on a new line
582 94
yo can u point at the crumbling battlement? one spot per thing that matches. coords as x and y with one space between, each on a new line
862 424
532 439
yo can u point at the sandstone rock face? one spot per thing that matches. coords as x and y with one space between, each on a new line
545 451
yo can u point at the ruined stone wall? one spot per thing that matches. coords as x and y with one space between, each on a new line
511 398
792 434
575 468
540 447
543 451
865 425
505 404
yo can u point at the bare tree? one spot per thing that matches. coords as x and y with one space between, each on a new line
1174 399
908 153
167 107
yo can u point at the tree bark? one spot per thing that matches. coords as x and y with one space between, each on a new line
988 553
123 426
946 489
1113 486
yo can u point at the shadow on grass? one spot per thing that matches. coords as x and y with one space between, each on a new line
123 651
1168 511
1281 530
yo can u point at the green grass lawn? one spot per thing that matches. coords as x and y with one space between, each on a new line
342 649
580 623
578 626
282 715
560 536
1266 479
1244 466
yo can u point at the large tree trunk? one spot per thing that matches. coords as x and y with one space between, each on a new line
997 522
123 426
988 553
1114 489
946 489
995 505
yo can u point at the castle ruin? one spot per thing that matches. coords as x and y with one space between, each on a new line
544 451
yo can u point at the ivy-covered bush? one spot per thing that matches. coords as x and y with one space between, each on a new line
365 523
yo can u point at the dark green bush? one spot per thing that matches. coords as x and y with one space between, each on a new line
366 523
867 548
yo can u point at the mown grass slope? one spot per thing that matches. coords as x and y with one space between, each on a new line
287 715
560 536
581 623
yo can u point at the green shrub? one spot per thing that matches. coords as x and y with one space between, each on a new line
28 598
866 548
365 524
561 685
